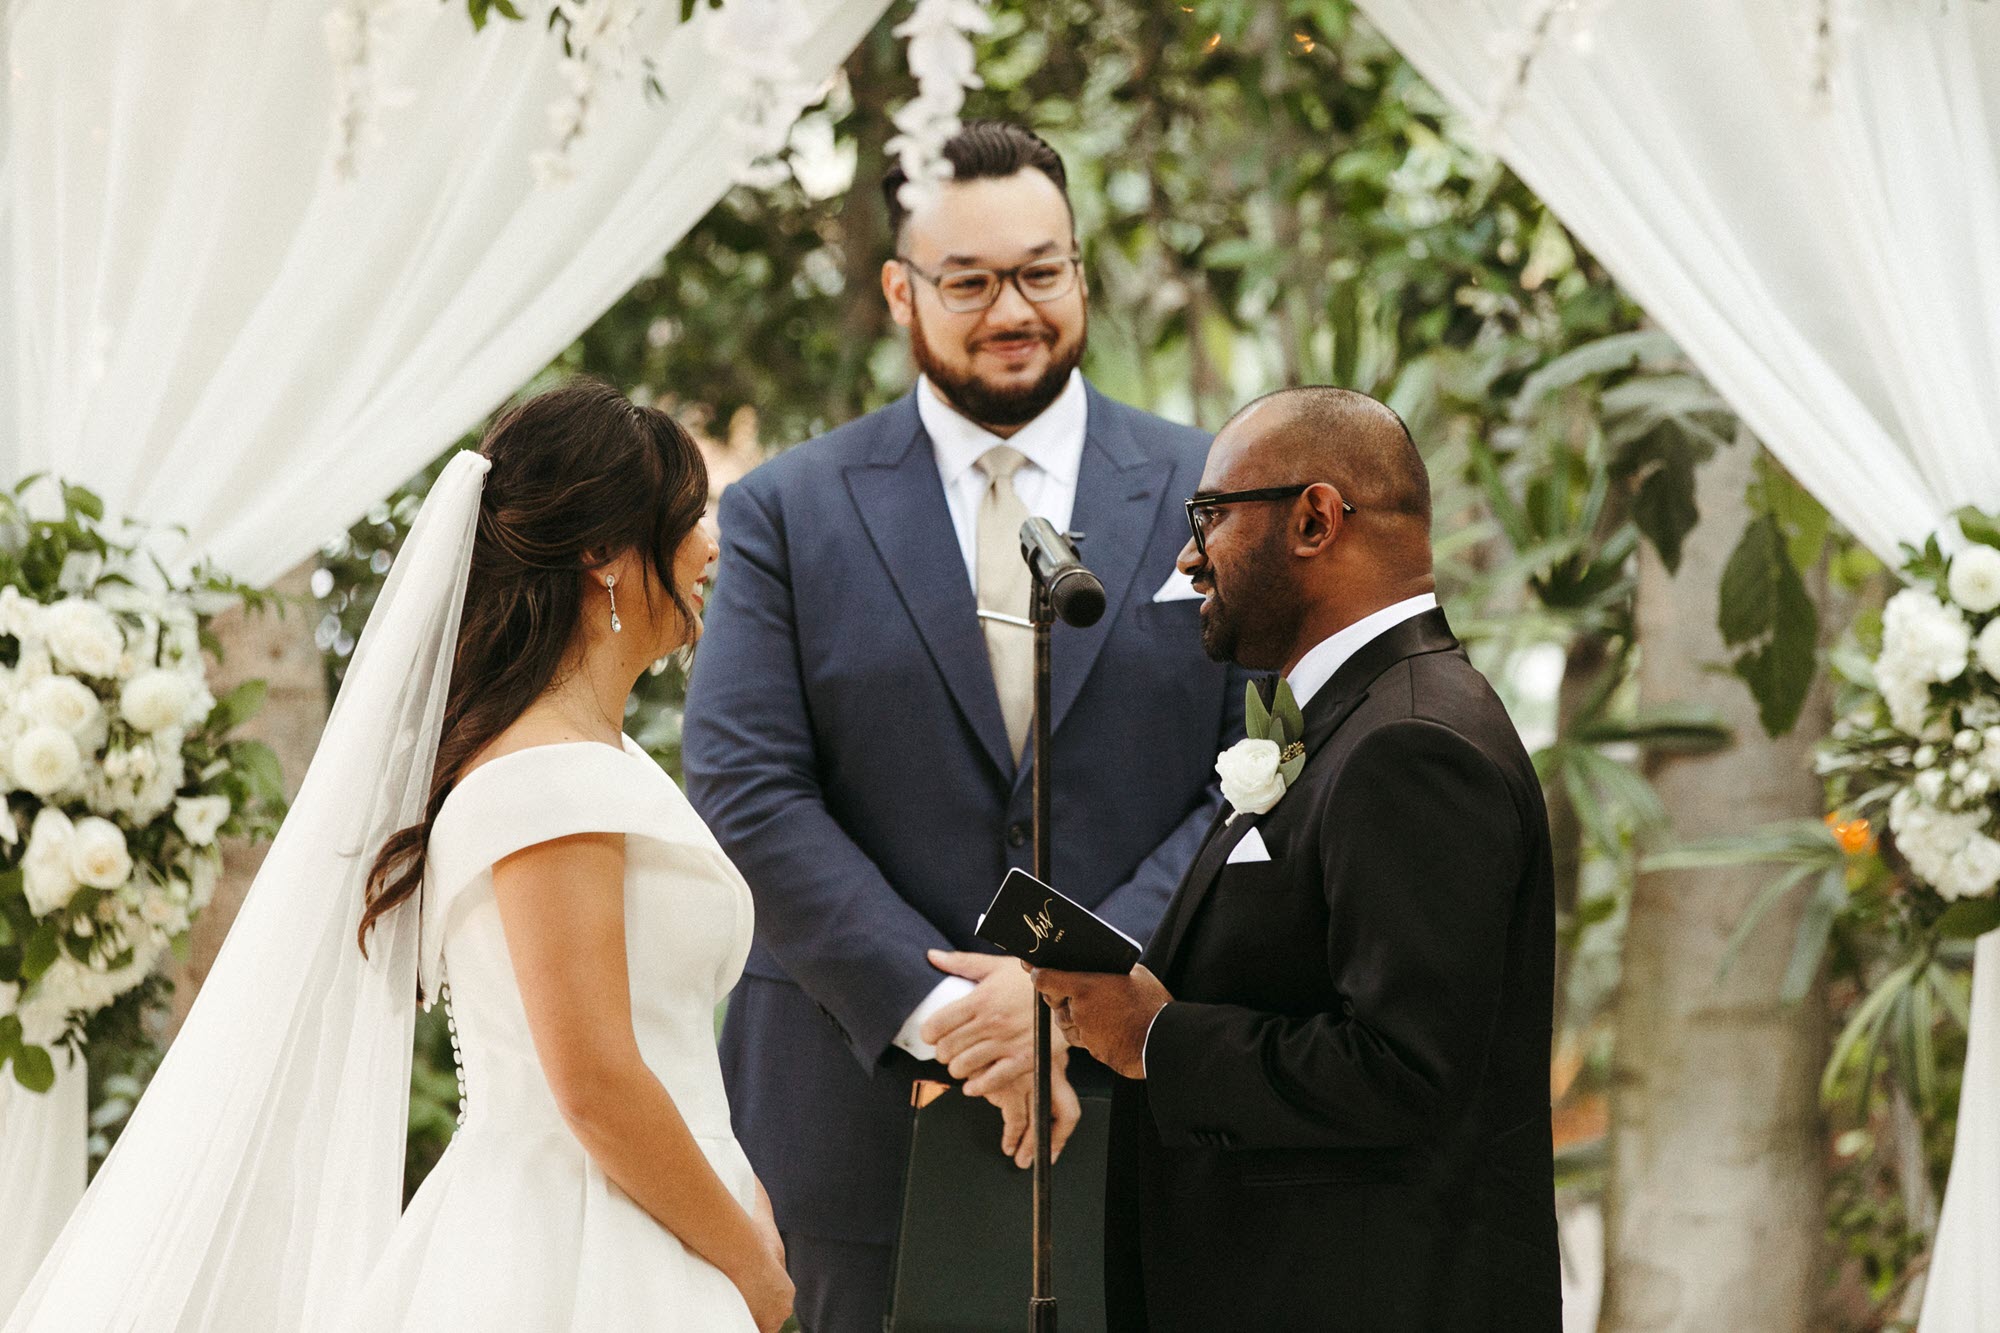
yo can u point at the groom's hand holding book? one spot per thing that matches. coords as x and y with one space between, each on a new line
1105 1014
1085 967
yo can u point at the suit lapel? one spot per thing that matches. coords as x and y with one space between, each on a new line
1119 491
900 498
1332 705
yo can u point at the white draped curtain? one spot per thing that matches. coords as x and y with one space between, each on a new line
1806 195
212 326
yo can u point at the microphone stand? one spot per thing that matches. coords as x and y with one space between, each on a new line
1042 1297
1042 1300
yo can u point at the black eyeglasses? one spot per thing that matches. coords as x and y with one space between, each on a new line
967 290
1203 510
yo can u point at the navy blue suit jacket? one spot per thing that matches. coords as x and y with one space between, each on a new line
844 740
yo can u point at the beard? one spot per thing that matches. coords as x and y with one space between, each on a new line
1254 623
992 404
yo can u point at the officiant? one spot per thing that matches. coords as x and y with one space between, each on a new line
857 736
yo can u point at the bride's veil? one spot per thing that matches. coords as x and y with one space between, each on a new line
262 1171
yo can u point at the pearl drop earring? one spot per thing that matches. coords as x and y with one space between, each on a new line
611 588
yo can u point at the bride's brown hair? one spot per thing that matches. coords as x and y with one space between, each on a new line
577 471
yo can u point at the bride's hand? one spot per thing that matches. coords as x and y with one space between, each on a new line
766 1222
769 1292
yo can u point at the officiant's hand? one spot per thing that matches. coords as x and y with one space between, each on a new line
1017 1114
1106 1015
987 1038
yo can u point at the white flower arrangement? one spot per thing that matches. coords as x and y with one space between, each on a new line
117 772
1923 746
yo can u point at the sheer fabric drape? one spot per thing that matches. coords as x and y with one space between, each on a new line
204 321
209 324
1817 223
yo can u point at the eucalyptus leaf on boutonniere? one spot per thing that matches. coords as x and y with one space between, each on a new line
1257 770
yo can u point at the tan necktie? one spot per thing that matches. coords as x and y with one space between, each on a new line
1005 586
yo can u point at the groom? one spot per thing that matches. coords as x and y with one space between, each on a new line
1333 1108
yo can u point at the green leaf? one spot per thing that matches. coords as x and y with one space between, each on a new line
1285 711
1764 604
1977 526
1969 918
38 954
1780 674
1760 907
1750 583
1815 929
1804 842
257 764
1665 728
33 1069
84 501
1619 351
1256 717
238 706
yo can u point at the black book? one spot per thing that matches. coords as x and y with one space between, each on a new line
1038 925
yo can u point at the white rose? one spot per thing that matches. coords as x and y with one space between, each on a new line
10 996
1251 782
61 701
204 874
1988 649
84 637
1906 691
98 855
46 877
1977 783
20 617
1973 870
1930 785
154 700
199 817
1974 579
45 760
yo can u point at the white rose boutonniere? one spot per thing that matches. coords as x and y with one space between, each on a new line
1257 770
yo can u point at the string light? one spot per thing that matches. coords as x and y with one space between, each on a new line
1208 47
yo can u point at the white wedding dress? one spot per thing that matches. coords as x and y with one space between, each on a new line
516 1228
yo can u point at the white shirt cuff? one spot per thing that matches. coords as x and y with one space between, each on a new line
944 993
1149 1037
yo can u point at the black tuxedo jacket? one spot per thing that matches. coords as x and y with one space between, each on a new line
1345 1119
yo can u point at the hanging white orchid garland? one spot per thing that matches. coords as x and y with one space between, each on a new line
945 66
758 73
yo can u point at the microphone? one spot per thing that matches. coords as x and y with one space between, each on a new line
1074 592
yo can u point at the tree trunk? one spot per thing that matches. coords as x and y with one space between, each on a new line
279 648
1715 1201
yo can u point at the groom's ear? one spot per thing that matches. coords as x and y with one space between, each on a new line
896 291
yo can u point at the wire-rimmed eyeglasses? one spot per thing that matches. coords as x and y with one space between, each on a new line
1203 510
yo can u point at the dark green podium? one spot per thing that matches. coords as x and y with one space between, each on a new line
963 1262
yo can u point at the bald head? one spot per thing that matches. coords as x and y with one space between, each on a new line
1317 433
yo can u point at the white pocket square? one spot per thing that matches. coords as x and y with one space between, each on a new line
1250 848
1177 588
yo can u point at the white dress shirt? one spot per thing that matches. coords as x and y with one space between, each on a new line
1318 666
1053 445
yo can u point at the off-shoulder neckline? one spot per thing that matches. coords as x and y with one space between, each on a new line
628 748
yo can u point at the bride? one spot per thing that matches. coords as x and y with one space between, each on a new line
475 825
